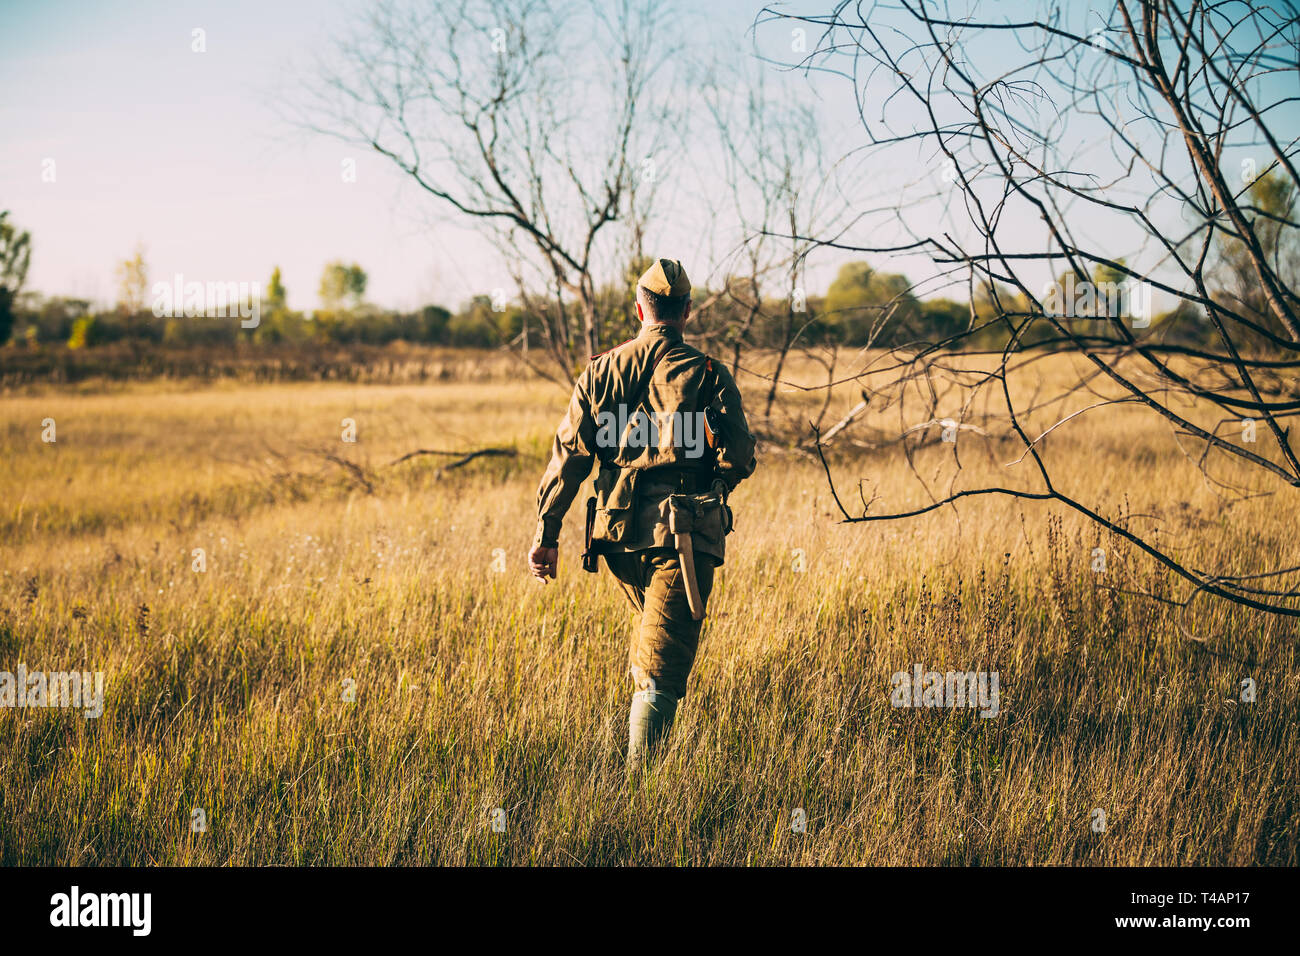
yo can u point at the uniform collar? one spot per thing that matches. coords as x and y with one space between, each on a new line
653 329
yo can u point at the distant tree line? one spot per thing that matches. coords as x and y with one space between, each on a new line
863 307
343 318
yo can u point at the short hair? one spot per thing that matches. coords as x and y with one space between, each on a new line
663 308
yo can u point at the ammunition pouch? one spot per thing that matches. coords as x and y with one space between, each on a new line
616 500
682 498
706 517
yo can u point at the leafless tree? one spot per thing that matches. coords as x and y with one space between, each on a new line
1066 137
778 189
536 121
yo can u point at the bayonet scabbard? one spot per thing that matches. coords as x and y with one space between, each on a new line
589 562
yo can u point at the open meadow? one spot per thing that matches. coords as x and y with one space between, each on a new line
339 658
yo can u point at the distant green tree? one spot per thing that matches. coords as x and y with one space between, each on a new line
133 283
869 307
15 257
945 317
433 324
284 325
476 325
1273 201
340 284
83 332
275 291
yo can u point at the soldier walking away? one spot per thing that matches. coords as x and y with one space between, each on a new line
663 424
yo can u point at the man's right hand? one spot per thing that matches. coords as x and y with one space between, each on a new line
542 562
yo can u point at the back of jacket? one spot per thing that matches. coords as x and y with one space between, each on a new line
638 412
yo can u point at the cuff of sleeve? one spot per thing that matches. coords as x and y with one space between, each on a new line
548 534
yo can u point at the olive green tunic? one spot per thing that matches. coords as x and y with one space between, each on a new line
637 415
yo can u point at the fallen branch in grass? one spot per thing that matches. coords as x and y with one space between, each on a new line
845 422
465 457
355 470
365 476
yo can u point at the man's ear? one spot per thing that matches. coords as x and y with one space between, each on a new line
686 312
639 314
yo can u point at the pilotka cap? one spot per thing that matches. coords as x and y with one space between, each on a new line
666 277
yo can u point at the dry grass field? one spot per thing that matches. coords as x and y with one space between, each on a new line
333 573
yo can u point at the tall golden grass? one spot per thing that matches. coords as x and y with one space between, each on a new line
477 689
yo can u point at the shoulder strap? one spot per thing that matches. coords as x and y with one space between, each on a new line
712 381
643 387
639 393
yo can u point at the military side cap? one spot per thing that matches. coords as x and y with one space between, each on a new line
666 277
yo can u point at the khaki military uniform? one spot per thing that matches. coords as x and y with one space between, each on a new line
638 414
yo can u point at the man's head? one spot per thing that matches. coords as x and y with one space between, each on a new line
663 294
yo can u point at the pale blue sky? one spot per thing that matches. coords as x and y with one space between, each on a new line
188 154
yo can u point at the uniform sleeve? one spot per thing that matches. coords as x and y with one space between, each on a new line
736 460
571 457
